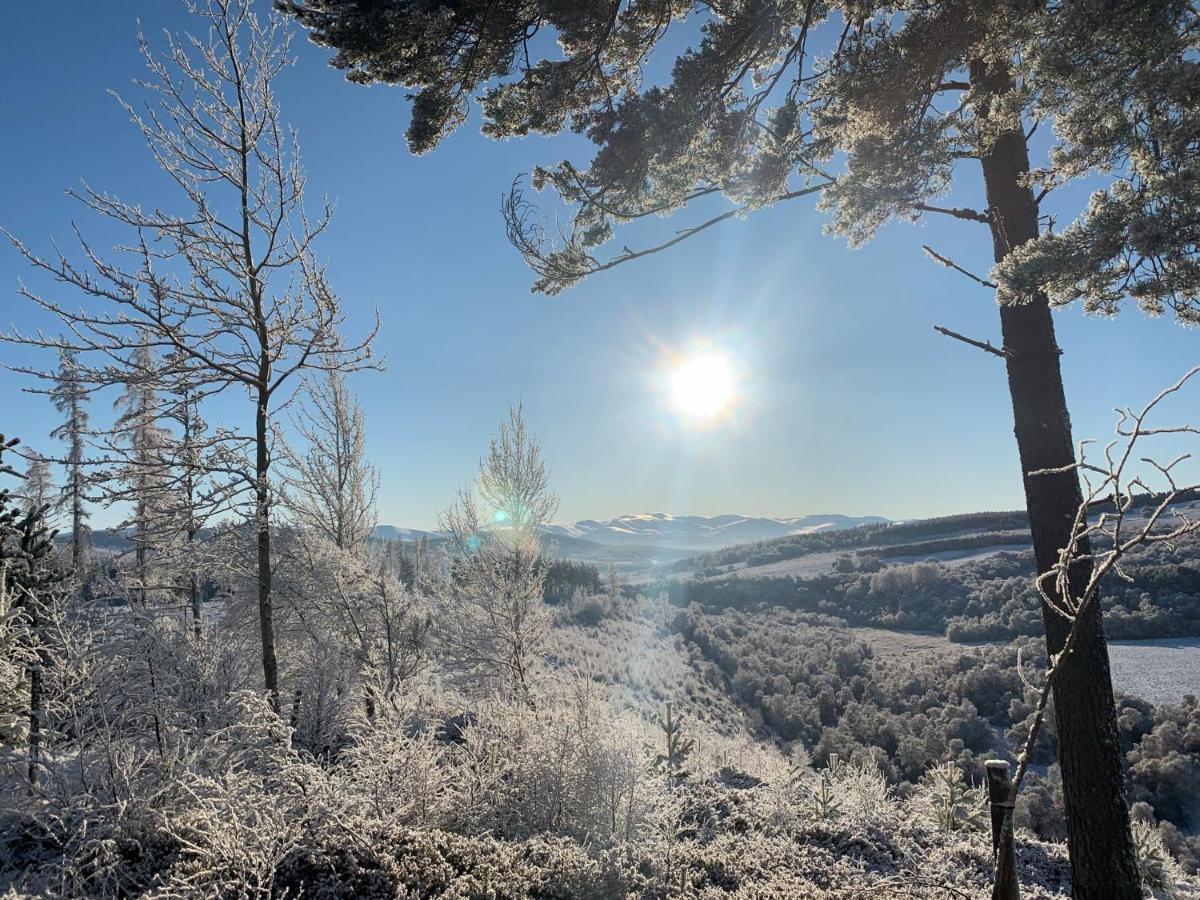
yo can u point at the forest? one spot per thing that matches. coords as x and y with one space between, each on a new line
989 598
235 686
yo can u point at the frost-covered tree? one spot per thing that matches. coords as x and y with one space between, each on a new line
70 397
351 607
332 487
37 485
141 477
879 109
28 586
176 478
490 619
228 290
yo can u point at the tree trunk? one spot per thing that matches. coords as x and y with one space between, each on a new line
77 547
35 705
1103 863
194 596
266 619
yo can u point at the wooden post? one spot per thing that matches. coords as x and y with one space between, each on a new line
1001 800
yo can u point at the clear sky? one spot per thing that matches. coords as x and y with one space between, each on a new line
847 400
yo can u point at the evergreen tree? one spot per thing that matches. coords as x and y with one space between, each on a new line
142 477
677 746
28 582
873 107
37 486
70 396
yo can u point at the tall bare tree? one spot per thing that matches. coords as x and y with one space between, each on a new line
229 290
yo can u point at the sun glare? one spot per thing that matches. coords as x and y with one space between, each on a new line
702 385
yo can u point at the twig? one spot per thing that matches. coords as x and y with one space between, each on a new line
951 264
986 346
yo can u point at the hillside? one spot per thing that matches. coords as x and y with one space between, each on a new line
770 678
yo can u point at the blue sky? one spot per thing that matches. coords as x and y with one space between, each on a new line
849 402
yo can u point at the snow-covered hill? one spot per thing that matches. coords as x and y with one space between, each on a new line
701 532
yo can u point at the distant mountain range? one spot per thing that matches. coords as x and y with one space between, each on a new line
698 532
679 533
395 533
644 538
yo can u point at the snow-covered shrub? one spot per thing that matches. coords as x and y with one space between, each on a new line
863 795
321 709
571 765
128 814
1162 876
395 774
586 608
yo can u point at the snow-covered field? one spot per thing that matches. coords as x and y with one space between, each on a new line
1161 671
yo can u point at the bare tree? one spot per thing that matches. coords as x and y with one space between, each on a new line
332 488
229 291
492 621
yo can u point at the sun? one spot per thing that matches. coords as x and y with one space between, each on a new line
702 385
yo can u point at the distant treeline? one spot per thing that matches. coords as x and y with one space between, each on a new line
945 545
564 578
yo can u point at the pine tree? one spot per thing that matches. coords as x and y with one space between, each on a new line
142 477
194 505
70 396
677 746
28 585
